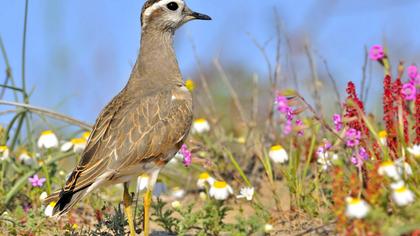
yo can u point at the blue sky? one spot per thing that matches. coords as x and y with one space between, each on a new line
80 53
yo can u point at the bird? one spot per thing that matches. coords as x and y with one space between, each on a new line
145 124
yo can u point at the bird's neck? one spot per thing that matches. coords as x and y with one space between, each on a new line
156 63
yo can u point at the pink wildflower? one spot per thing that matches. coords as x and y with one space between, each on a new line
338 123
187 155
287 128
36 181
376 52
300 126
409 91
353 137
359 158
412 72
282 104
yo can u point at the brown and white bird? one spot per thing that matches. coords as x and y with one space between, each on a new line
144 126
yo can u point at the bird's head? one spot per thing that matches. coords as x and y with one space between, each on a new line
168 14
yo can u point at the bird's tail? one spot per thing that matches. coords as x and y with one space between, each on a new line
63 201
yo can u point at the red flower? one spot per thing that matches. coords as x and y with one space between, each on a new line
417 119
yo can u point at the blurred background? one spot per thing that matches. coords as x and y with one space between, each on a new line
80 53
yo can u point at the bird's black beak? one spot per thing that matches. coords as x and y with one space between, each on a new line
200 16
192 15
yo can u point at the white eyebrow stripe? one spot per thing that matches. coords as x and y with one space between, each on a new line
159 4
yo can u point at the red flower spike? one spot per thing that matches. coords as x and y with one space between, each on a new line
389 115
401 102
417 119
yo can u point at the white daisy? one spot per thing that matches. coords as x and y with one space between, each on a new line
323 158
43 196
382 137
388 168
203 196
200 126
220 190
268 228
26 159
142 182
49 209
4 153
414 150
278 154
204 178
403 167
178 192
356 208
47 140
176 204
78 145
401 194
247 192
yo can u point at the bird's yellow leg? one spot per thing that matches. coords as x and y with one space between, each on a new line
147 203
127 200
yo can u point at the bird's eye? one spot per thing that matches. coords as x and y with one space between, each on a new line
173 6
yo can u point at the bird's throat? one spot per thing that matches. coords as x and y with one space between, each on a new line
157 62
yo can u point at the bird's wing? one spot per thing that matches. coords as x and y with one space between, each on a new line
129 131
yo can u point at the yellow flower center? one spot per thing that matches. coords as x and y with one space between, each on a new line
52 204
200 121
86 135
78 141
276 148
355 201
3 148
47 132
204 175
383 134
24 153
401 189
190 85
387 163
144 176
220 184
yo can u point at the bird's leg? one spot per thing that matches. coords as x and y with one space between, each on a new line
147 203
127 200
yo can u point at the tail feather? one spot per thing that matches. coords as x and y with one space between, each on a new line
63 201
67 201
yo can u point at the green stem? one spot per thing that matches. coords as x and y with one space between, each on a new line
17 132
12 88
9 127
24 179
47 176
25 24
49 113
238 168
8 68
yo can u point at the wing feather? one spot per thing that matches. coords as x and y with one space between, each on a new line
131 131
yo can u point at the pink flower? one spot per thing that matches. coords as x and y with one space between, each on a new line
376 52
409 91
353 137
36 181
287 127
338 123
300 126
416 81
359 158
282 104
187 155
412 72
